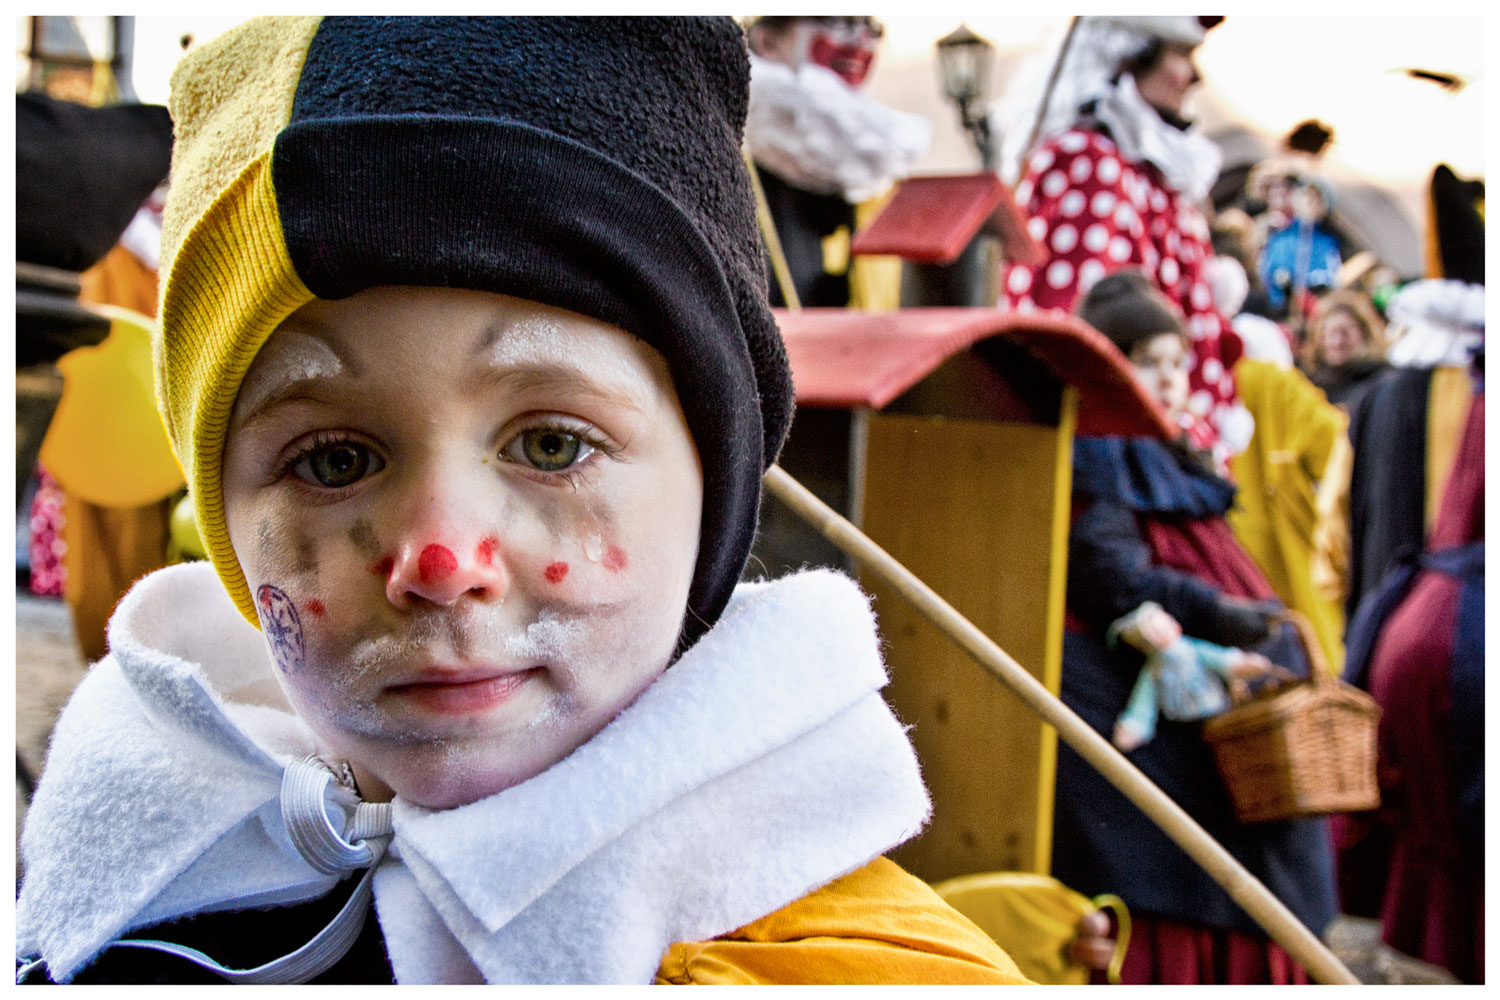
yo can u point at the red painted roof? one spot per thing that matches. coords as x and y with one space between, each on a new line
931 219
846 358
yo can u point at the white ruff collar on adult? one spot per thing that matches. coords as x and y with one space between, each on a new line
822 135
1188 159
762 765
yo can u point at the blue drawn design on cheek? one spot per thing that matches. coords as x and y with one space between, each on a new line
283 629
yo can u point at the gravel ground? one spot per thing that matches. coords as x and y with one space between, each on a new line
48 665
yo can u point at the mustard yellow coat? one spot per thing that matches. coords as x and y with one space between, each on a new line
1296 430
876 925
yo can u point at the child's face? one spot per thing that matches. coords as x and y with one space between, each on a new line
469 523
1279 195
1307 202
1160 366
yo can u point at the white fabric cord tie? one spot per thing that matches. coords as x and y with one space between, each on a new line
304 810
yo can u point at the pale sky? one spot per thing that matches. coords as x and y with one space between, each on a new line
1269 73
1266 72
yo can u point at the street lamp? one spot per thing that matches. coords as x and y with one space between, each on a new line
965 60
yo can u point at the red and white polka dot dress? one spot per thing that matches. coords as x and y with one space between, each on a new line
1094 212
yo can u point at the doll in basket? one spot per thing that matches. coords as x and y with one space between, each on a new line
1183 678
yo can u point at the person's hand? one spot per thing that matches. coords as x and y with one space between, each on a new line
1253 666
1095 943
1243 622
1239 688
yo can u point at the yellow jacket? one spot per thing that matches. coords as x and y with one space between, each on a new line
1274 516
876 925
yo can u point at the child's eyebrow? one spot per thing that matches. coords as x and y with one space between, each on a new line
550 378
538 355
286 364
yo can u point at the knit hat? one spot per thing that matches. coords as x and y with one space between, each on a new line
1127 308
591 164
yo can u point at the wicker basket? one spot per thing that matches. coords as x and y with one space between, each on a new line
1302 749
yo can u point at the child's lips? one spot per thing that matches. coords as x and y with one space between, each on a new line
462 692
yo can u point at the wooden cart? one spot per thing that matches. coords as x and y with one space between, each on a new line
946 434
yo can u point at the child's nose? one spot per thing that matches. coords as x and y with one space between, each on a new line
444 571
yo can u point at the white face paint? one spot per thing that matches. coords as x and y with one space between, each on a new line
544 340
290 358
470 526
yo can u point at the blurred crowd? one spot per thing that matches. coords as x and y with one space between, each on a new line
1330 462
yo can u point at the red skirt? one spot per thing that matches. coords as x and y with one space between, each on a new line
1165 951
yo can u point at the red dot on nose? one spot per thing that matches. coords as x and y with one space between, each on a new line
435 563
486 550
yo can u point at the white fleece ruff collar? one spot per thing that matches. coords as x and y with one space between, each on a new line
1188 159
761 766
820 134
1439 322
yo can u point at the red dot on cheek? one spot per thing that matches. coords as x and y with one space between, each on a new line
435 563
556 572
485 554
383 568
315 608
614 559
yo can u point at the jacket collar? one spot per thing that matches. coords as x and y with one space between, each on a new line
1148 476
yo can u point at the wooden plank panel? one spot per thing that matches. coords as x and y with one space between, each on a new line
971 507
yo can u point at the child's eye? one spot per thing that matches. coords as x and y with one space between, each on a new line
338 464
548 449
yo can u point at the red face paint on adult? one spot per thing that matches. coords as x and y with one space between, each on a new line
852 62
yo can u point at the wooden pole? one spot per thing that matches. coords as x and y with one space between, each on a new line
779 266
1263 906
1041 113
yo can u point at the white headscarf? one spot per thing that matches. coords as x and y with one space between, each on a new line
1098 46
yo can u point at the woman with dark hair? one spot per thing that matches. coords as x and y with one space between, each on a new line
1116 181
1345 345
